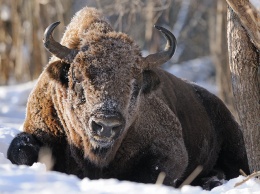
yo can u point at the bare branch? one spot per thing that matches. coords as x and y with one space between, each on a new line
249 17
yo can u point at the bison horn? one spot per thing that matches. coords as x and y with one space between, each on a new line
157 59
56 48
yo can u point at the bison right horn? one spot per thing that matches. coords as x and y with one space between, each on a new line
157 59
62 52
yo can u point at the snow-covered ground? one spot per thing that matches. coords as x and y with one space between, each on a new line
256 3
35 179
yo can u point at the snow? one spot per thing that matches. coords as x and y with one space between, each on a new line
36 179
200 71
256 3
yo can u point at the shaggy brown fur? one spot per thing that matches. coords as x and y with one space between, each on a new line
165 124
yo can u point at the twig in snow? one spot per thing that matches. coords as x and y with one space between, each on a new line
253 175
45 157
160 178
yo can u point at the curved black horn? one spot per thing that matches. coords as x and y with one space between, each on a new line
56 48
157 59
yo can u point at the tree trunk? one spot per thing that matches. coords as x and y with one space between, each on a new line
219 50
244 64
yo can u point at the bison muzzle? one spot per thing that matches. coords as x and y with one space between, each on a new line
105 128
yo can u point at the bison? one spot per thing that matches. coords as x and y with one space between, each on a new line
107 112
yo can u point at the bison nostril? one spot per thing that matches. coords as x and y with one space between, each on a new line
117 128
96 128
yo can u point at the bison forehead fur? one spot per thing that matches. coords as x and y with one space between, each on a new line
107 112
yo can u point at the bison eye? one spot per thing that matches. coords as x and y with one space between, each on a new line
136 89
135 92
78 88
92 72
77 76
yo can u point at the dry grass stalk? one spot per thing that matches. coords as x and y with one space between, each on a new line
160 178
253 175
45 157
192 176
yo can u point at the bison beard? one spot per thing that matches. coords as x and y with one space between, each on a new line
107 112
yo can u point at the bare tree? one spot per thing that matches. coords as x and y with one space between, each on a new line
22 24
243 31
22 55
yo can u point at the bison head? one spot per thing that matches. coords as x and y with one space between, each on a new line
100 83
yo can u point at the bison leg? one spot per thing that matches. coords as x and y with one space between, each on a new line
24 149
214 179
211 182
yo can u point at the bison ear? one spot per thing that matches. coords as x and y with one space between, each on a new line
150 81
58 71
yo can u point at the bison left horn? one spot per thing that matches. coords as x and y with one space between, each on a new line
157 59
62 52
